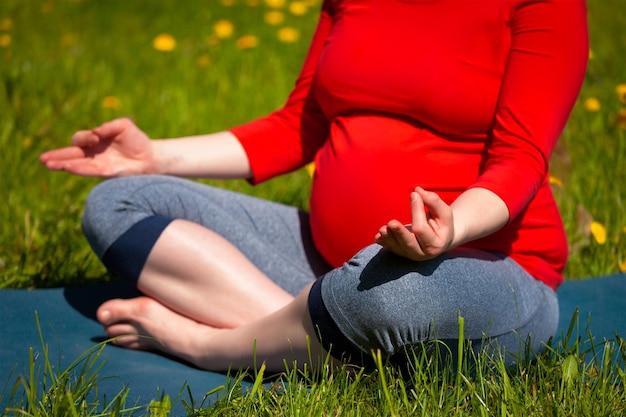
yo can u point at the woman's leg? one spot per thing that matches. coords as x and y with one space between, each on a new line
381 301
214 256
375 301
286 335
201 275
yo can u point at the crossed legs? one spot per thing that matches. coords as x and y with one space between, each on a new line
234 292
206 303
199 274
284 335
205 300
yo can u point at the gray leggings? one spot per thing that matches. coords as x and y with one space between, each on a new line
376 300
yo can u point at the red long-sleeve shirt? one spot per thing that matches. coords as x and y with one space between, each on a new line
445 94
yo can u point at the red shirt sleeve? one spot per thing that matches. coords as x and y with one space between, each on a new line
288 139
544 72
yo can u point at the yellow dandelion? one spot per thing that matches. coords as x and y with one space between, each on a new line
310 168
164 42
247 42
591 55
274 17
621 92
27 142
5 40
592 104
111 102
224 29
555 181
622 266
621 119
276 4
624 229
598 231
6 24
288 35
203 61
298 8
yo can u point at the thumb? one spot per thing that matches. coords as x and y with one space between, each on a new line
436 206
418 212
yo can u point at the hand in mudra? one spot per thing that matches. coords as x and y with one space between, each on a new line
115 148
430 233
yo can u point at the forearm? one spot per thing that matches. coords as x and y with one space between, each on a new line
217 155
477 212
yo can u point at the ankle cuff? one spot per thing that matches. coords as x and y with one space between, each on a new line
126 257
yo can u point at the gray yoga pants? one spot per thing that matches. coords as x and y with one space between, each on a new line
376 300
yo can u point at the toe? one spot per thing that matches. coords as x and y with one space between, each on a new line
120 310
104 314
123 335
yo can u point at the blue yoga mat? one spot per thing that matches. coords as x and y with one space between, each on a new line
601 303
68 327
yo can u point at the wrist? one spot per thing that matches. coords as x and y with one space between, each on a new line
156 162
477 213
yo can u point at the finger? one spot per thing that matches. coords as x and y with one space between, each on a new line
113 128
61 154
419 221
85 167
386 238
383 237
406 240
73 160
436 206
379 235
424 227
85 139
402 242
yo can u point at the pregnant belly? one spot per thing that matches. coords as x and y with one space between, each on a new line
366 172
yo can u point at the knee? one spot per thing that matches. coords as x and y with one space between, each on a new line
105 215
373 307
99 201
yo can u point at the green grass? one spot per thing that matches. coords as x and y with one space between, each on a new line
558 382
66 57
60 59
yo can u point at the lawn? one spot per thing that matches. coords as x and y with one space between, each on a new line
187 67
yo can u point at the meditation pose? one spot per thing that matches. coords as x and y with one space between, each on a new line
431 124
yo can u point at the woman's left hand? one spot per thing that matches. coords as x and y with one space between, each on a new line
430 234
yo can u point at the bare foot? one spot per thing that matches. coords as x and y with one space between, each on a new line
145 324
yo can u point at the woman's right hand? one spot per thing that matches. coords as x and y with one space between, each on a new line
116 148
